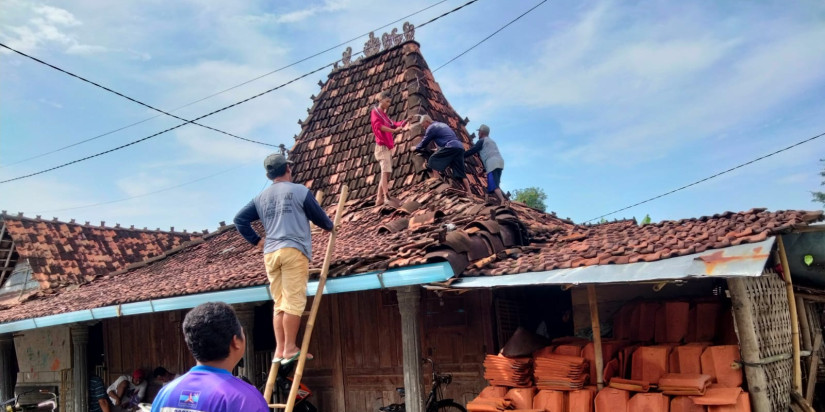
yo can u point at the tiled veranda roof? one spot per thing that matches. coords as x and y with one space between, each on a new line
62 253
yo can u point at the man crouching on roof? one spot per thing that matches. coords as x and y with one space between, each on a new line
450 150
285 209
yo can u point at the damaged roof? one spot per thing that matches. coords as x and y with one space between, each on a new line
433 221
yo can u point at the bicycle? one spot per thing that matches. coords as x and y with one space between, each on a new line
435 400
13 404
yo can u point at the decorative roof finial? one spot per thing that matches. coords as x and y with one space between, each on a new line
409 31
387 40
397 38
347 57
372 46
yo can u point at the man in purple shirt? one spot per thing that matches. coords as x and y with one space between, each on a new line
216 340
450 150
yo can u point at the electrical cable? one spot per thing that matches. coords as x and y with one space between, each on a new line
449 12
710 177
166 130
81 78
216 111
165 189
491 35
225 90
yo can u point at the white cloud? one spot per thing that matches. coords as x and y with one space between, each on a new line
46 26
301 15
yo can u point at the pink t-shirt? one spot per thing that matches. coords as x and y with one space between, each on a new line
378 118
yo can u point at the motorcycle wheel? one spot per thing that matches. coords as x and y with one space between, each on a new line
447 406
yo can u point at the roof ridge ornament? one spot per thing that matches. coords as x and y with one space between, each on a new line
389 40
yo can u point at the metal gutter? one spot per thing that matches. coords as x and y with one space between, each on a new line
734 261
413 275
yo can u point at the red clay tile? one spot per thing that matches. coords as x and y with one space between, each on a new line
743 404
687 358
672 322
580 401
522 398
704 318
612 400
685 404
720 363
548 400
650 363
648 402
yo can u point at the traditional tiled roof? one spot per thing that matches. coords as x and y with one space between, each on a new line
432 222
62 253
336 142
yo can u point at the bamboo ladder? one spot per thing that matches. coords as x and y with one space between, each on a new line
316 303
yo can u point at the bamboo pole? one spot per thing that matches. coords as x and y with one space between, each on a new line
812 298
597 335
316 303
743 315
797 369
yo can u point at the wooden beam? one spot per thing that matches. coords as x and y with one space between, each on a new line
597 335
805 327
812 298
797 367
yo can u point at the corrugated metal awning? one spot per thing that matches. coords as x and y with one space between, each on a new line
732 261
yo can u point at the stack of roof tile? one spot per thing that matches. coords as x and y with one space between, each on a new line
561 372
612 400
685 404
724 400
684 384
650 363
512 372
648 402
720 362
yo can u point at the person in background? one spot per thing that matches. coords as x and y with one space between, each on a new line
491 158
384 130
214 336
450 150
98 400
163 376
127 391
285 209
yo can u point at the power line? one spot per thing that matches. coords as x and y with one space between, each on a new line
81 78
491 35
449 12
710 177
230 88
166 130
165 189
222 109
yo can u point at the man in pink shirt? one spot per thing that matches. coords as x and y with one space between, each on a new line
384 128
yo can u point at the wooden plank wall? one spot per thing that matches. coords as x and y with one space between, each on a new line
357 346
146 342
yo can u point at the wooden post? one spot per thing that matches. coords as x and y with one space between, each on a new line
80 370
797 369
812 370
597 335
742 309
6 361
805 327
408 305
316 303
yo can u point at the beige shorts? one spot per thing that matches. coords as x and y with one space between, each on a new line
383 155
288 272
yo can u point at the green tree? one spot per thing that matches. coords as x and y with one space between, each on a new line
820 196
532 196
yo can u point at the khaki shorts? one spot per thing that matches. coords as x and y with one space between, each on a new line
383 155
288 272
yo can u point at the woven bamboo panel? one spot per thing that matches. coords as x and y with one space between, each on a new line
773 329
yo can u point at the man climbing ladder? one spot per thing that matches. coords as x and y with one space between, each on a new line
285 209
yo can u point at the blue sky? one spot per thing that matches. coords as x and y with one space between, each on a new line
601 104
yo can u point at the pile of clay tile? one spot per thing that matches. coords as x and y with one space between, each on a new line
560 372
500 370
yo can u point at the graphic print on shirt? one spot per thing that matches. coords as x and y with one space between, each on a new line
189 399
279 207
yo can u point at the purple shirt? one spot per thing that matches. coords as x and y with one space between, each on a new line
208 389
442 135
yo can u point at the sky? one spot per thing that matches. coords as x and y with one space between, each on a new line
602 104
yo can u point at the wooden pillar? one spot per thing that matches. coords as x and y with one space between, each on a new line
80 369
597 335
797 368
409 301
246 315
6 361
749 345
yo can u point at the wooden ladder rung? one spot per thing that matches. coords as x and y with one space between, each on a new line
277 405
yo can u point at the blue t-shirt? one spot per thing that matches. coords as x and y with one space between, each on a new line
208 389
